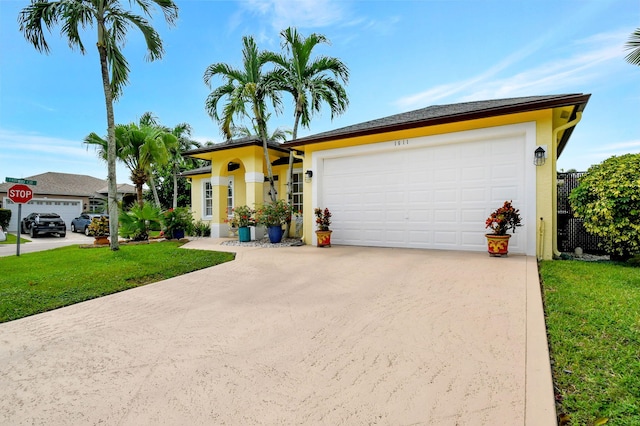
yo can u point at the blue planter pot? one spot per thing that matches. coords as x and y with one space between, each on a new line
178 234
275 234
244 234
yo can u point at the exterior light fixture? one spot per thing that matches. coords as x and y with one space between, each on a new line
539 156
308 175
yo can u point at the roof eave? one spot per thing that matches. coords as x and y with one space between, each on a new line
579 101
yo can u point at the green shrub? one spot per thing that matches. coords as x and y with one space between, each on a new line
201 229
137 222
5 217
608 200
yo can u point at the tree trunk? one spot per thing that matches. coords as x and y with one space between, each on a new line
154 190
175 186
263 135
112 182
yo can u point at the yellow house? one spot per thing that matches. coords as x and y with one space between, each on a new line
421 179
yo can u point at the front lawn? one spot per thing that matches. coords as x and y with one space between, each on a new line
11 239
593 321
42 281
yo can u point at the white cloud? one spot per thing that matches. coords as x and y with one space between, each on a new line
300 13
594 60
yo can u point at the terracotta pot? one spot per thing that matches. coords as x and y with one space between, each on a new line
324 238
498 245
101 240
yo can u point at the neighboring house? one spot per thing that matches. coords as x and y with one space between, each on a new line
65 194
421 179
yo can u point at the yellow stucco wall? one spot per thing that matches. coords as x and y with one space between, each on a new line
546 121
251 160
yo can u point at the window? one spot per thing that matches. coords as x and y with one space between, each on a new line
296 190
230 197
208 199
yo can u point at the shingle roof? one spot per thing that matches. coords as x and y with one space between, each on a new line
53 183
441 114
198 171
235 143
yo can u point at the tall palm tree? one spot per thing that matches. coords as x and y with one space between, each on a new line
310 81
182 133
139 146
279 135
111 21
633 44
246 91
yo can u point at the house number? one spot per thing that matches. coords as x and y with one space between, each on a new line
401 142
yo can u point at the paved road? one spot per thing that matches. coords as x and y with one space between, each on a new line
45 242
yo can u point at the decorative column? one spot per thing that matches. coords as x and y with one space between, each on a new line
255 196
219 200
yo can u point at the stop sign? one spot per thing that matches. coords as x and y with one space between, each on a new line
20 194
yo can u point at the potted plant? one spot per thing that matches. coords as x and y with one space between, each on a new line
243 219
176 222
273 215
500 222
323 221
99 228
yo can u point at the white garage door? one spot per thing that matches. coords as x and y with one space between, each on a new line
67 209
422 193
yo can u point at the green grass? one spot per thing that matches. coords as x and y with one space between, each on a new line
42 281
593 321
11 239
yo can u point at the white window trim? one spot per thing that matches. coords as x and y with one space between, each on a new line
204 199
231 181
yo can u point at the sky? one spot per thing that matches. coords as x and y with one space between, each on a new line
402 56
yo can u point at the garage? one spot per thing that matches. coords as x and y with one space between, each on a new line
67 209
432 192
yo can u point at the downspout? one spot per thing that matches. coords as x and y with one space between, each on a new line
556 133
299 157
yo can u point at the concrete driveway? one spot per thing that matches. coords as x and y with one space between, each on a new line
44 242
295 335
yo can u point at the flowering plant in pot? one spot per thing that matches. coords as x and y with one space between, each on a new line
273 215
99 228
243 219
323 221
502 220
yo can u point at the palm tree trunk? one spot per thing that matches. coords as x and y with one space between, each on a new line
175 186
154 190
112 182
263 135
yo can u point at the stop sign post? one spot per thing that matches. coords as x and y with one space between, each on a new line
19 194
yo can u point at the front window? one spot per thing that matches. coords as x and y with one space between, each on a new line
230 197
208 199
296 190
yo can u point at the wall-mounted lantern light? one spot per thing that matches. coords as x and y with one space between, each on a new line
540 156
308 175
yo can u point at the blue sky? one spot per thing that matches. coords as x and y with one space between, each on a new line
402 55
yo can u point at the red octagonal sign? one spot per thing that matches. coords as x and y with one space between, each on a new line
20 194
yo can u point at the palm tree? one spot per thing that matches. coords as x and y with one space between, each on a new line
279 135
139 146
310 82
182 133
111 21
634 45
244 88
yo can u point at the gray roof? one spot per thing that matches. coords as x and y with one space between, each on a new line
198 171
235 143
441 114
52 183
